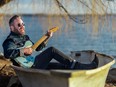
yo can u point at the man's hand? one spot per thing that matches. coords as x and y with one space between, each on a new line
50 34
27 51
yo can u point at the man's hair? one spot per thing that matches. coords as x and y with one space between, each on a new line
13 18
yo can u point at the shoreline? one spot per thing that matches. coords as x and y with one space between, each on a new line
40 14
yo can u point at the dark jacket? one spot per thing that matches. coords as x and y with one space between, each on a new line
14 41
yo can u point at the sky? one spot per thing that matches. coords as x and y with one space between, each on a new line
51 7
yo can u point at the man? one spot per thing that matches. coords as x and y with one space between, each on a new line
17 39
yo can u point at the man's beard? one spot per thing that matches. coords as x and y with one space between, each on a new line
19 32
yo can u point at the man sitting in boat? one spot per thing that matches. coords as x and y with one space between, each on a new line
15 49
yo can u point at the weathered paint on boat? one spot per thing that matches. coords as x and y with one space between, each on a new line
69 78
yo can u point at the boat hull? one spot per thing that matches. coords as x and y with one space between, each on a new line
68 78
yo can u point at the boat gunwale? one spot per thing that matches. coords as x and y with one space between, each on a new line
64 73
68 73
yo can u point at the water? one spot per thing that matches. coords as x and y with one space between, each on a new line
76 37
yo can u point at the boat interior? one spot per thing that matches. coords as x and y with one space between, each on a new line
85 60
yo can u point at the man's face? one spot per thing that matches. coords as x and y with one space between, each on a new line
18 26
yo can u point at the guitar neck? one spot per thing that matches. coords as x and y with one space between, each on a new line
44 38
39 42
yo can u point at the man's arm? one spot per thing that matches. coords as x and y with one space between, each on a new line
10 49
41 46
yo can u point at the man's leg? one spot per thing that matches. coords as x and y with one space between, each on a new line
43 59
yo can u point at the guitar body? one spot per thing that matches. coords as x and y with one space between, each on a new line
27 61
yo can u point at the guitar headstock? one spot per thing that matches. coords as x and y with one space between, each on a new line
53 29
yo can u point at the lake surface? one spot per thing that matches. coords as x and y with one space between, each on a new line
71 36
